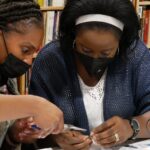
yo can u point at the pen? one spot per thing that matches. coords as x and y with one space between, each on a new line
72 127
35 127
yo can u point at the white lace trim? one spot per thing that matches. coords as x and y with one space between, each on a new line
93 102
96 92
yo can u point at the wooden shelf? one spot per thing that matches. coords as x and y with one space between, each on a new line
51 8
144 3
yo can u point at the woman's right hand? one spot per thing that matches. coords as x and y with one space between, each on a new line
72 140
48 117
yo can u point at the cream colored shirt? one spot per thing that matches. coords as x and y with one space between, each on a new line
93 102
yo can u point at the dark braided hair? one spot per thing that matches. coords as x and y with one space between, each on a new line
19 11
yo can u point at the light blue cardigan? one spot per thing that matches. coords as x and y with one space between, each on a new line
127 87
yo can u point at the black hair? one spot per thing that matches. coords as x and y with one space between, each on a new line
19 12
122 10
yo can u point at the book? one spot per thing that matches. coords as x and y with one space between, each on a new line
145 24
60 3
49 26
46 3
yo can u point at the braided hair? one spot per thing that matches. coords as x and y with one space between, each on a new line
13 12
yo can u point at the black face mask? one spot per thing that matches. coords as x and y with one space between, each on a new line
13 67
94 66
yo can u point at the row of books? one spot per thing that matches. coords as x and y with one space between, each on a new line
144 14
23 83
45 3
51 25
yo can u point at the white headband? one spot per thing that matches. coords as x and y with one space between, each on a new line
100 18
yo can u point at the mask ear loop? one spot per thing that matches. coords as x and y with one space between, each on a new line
5 43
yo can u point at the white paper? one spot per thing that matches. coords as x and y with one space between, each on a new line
143 145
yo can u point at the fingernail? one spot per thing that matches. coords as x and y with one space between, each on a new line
27 131
94 138
30 119
41 137
94 142
92 133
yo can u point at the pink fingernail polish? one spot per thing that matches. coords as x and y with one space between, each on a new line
92 133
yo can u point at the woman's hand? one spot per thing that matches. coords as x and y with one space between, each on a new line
45 114
72 140
48 117
22 133
113 132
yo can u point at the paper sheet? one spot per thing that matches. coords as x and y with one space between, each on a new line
143 145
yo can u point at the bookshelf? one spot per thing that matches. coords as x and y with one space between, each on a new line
143 10
141 3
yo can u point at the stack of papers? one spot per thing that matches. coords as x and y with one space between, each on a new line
143 145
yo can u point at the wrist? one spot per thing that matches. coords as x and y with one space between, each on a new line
134 123
130 130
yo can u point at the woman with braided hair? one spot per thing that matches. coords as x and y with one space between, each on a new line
21 33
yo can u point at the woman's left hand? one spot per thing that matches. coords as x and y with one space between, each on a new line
21 131
113 132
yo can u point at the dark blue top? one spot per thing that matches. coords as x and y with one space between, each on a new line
127 86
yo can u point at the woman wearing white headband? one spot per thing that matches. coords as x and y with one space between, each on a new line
98 74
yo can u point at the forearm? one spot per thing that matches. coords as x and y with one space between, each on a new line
144 125
15 107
